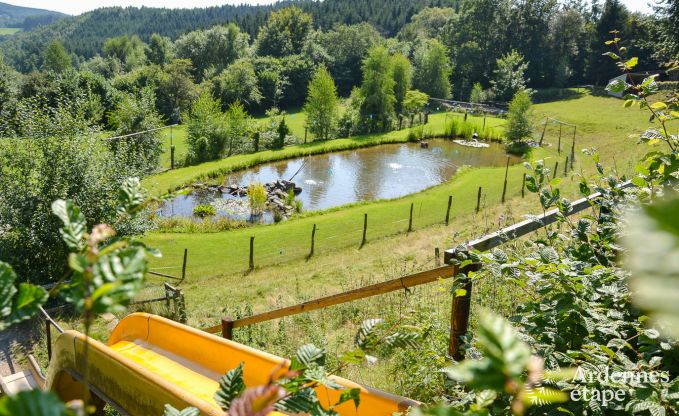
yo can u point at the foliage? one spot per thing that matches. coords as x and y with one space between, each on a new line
33 403
238 83
284 33
204 211
56 58
176 91
257 198
212 50
206 127
519 117
414 102
403 79
238 126
160 50
433 70
18 304
136 114
129 50
321 105
509 76
377 91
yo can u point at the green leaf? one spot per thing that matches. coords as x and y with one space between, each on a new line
27 302
353 357
350 394
616 86
189 411
74 221
32 403
366 331
611 55
659 106
230 387
310 355
131 197
632 63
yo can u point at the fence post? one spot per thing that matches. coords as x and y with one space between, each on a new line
437 256
172 157
543 133
252 253
227 327
410 222
461 305
48 335
478 201
180 306
556 168
305 133
484 121
186 253
559 146
565 167
504 188
575 129
365 229
313 242
450 204
523 186
167 295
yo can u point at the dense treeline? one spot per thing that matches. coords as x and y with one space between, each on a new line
84 35
26 17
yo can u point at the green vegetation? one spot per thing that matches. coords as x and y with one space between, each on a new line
5 31
519 117
257 198
203 211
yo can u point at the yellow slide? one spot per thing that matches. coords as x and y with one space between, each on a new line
151 361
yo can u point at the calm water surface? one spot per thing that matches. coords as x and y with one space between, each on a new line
334 179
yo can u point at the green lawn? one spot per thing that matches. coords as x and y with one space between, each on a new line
9 30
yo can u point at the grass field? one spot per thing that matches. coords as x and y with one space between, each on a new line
9 30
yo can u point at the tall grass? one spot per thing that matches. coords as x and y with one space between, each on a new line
457 128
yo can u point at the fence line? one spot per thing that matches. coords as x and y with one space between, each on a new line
139 133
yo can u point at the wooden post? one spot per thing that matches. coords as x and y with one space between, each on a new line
313 243
465 114
437 257
172 157
305 133
565 167
559 145
186 254
523 186
180 306
450 204
504 188
365 229
410 223
252 253
227 327
556 168
48 335
167 295
484 121
460 310
575 128
478 201
543 133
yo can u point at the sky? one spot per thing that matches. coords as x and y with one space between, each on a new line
81 6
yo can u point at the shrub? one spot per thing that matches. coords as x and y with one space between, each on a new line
519 117
203 211
257 197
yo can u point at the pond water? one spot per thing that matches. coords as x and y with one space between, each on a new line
334 179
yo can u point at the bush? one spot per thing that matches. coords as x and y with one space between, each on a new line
519 117
203 211
257 197
207 135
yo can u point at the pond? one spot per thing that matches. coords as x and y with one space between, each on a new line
334 179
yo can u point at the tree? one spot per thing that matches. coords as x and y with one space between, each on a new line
428 23
176 90
284 33
403 79
433 70
160 50
519 117
237 83
377 90
613 17
508 77
129 50
565 30
477 95
283 131
348 46
237 128
136 113
321 104
212 50
56 58
207 135
414 102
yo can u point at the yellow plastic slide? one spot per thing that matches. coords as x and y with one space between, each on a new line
151 361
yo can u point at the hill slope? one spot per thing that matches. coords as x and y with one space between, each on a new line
25 17
84 35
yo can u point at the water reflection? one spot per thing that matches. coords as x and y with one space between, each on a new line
380 172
